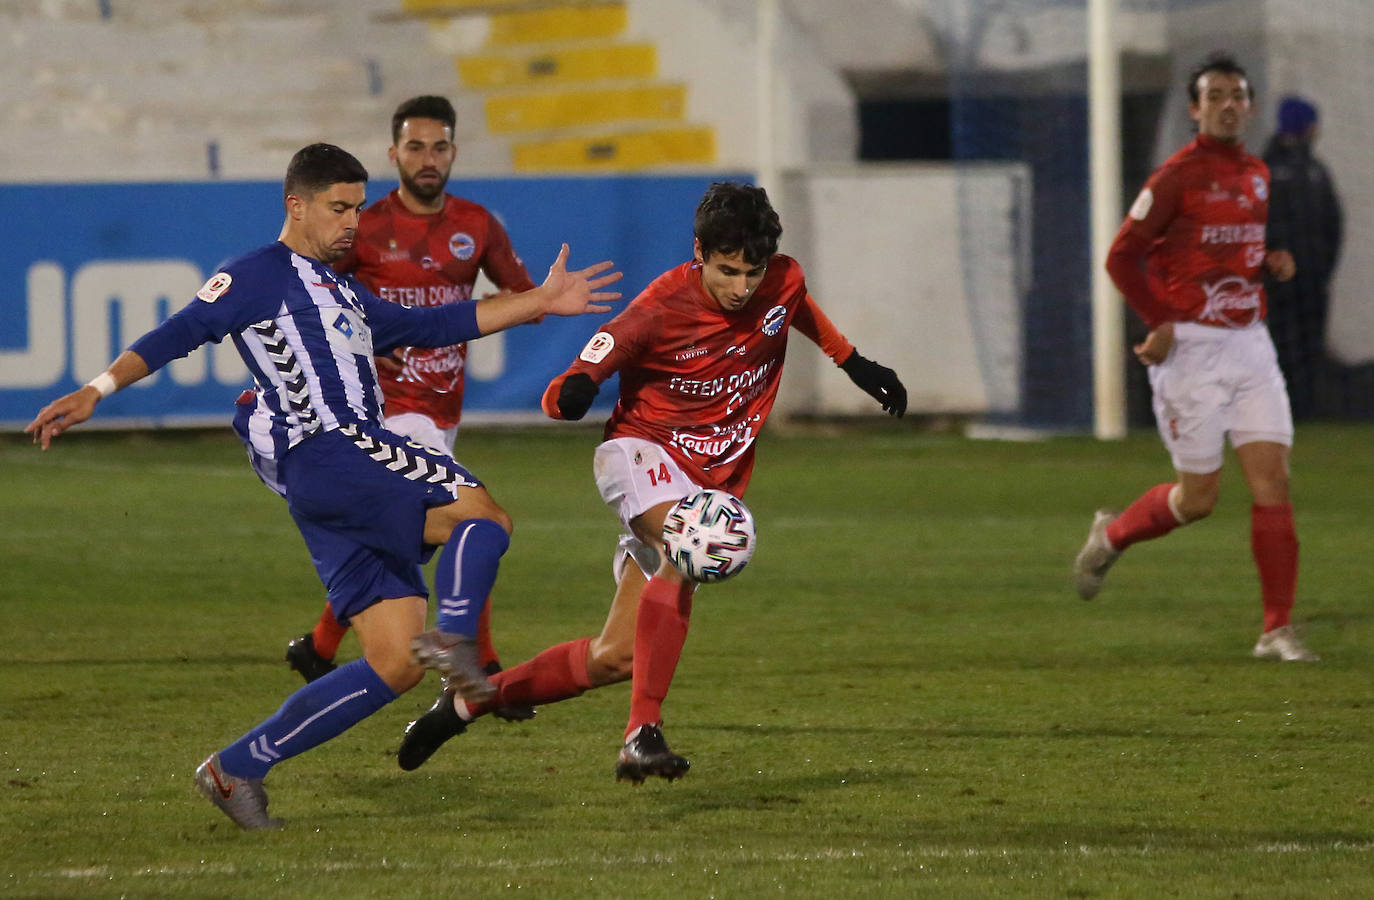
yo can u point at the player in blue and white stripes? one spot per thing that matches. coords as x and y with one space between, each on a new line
371 505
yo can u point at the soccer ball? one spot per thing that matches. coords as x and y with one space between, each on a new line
709 536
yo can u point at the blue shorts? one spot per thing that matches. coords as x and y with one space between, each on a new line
359 496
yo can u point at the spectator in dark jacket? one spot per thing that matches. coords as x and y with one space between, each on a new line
1305 219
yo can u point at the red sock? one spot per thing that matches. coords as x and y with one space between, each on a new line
485 650
660 631
1148 517
1274 542
556 674
327 633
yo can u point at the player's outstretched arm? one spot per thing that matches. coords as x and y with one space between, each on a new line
879 382
573 398
77 407
575 293
563 293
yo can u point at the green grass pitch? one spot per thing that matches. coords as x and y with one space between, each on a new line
902 696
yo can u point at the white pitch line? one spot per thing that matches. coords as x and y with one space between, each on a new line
824 854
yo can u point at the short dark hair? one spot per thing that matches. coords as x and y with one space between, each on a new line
733 217
315 168
1217 61
425 106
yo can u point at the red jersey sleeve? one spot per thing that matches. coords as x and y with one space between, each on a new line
1156 206
612 348
812 321
501 264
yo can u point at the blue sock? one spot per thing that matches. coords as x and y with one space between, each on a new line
324 708
466 572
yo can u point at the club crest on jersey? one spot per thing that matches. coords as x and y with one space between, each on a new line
1261 189
601 343
461 245
213 289
772 320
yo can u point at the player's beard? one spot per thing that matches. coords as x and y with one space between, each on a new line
425 193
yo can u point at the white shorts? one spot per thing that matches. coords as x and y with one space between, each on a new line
421 429
1219 381
635 475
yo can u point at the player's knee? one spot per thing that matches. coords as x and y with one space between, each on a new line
403 678
490 532
396 669
1272 490
491 512
502 518
1196 505
471 504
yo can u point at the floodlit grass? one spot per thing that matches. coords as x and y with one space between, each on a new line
901 697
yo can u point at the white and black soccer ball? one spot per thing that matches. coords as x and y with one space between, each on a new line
709 536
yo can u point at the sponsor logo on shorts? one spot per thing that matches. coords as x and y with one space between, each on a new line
213 289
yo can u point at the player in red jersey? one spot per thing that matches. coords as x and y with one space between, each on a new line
1190 259
699 353
420 246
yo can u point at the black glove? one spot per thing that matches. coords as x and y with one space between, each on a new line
879 382
576 395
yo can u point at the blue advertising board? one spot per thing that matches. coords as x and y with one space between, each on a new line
90 267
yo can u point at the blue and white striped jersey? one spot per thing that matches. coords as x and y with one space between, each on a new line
308 335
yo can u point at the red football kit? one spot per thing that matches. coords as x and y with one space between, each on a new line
1200 223
1192 250
695 379
430 260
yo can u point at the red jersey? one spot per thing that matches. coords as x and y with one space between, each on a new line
430 260
695 379
1199 224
